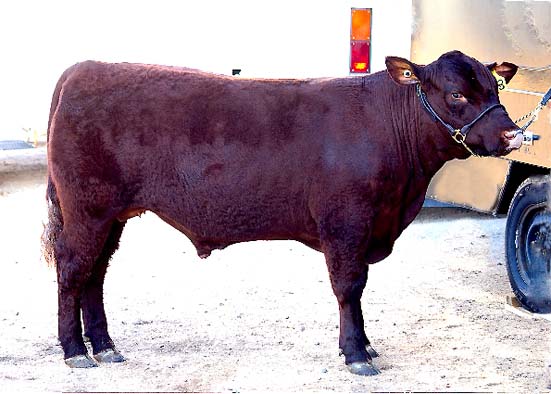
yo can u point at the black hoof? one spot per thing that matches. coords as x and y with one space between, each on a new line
363 368
109 356
81 361
372 352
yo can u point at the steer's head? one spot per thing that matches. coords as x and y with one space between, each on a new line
459 89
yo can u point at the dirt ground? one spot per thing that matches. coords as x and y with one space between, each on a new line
261 316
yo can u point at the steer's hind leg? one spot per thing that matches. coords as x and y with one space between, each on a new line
76 251
93 311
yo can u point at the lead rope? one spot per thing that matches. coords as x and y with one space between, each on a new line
456 136
533 115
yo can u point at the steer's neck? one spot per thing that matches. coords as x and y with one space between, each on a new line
424 142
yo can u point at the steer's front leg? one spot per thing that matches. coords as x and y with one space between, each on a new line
348 288
348 273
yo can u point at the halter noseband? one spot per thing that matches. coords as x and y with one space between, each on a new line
458 135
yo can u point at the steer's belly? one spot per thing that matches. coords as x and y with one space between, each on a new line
208 233
218 215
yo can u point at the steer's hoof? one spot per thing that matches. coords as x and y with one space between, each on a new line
363 368
109 356
81 361
372 352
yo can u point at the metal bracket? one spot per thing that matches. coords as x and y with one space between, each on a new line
458 137
529 138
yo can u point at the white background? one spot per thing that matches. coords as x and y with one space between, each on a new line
308 38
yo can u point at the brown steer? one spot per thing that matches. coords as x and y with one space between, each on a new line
341 165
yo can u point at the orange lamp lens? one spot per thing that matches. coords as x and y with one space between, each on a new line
360 24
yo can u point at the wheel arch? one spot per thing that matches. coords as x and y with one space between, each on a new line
518 173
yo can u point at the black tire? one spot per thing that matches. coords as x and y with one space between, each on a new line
528 244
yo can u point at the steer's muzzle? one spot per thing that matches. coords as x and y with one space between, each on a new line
514 139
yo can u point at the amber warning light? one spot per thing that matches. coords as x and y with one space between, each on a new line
360 40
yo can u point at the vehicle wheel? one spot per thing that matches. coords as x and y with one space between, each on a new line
528 244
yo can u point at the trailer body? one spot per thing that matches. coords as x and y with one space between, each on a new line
492 30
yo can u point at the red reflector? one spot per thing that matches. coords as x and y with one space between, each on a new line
359 57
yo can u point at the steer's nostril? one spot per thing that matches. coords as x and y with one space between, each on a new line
512 134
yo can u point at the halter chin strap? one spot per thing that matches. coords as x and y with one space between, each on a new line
458 135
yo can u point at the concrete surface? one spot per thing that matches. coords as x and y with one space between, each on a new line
21 168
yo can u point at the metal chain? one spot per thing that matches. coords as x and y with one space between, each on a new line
533 115
525 116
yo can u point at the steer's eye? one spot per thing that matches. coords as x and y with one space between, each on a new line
457 96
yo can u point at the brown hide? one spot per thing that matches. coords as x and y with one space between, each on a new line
339 164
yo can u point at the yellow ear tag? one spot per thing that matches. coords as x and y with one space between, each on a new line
501 83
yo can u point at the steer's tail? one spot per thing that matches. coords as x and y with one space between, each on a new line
53 227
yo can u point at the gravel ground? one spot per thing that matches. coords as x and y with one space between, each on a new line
261 316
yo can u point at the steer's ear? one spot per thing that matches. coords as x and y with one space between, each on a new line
403 71
506 70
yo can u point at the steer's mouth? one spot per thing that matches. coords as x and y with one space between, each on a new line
509 141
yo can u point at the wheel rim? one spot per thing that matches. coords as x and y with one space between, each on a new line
534 248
